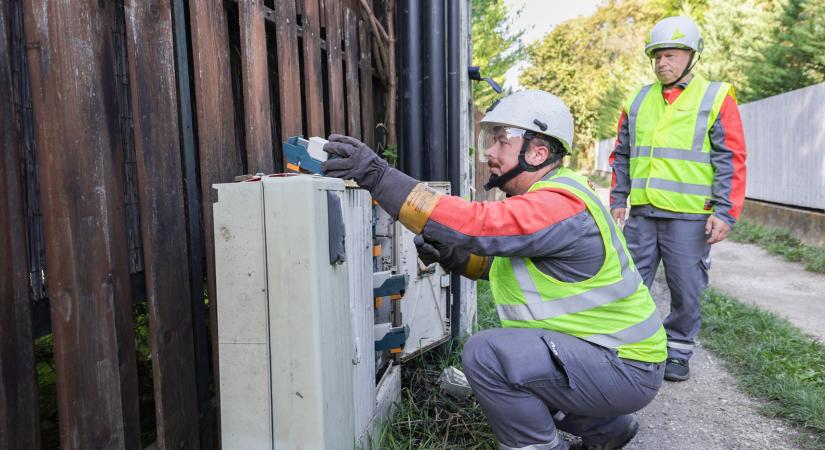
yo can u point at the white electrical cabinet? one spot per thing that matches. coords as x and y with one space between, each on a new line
297 315
359 243
284 320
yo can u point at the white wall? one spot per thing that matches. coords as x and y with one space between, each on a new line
602 159
785 135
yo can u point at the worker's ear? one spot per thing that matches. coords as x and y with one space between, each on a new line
536 154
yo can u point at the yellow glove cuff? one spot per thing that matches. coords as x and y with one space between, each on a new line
416 210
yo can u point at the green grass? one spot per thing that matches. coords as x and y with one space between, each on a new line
779 241
426 417
770 359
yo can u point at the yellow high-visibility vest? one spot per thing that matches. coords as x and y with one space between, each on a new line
670 166
613 308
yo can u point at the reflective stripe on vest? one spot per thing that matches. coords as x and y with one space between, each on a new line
628 287
676 178
537 309
672 186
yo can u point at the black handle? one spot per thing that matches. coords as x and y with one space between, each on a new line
475 74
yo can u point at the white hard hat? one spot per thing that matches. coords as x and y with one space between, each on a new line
537 111
674 32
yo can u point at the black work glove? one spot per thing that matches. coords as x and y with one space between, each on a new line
352 159
452 259
426 251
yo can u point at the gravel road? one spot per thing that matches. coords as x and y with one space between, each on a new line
706 412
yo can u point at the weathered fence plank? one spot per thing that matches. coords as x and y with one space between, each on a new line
195 231
104 122
352 56
70 62
313 80
216 128
258 116
19 426
31 190
154 105
365 71
289 75
335 71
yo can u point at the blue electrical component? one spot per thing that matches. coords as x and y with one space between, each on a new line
298 158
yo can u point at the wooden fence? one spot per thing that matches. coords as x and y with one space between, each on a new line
116 117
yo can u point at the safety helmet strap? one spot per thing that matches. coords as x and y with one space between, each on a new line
523 165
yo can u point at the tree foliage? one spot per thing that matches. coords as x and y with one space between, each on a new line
795 57
592 63
496 46
763 47
727 26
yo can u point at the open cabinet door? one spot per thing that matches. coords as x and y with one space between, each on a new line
425 307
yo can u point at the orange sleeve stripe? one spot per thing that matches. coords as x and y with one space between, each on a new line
519 215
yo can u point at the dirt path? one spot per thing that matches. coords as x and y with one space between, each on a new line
753 275
706 412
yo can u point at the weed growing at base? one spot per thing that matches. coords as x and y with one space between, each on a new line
779 241
771 359
429 418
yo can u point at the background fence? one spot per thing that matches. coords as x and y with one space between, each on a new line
116 117
602 157
785 136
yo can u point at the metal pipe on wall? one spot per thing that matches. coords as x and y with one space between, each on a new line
435 98
453 149
411 143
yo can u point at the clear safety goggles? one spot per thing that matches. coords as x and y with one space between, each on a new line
492 135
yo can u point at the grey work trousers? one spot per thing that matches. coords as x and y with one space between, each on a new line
682 246
531 381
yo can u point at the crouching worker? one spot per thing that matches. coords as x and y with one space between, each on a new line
582 346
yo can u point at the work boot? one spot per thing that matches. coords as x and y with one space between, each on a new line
677 369
616 442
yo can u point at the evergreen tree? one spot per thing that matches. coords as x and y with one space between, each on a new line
795 57
728 25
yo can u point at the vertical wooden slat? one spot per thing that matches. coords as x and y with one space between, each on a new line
256 87
351 58
19 427
335 71
365 71
70 63
289 75
160 185
313 80
216 128
195 231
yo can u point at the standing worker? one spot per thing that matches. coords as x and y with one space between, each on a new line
680 157
583 345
